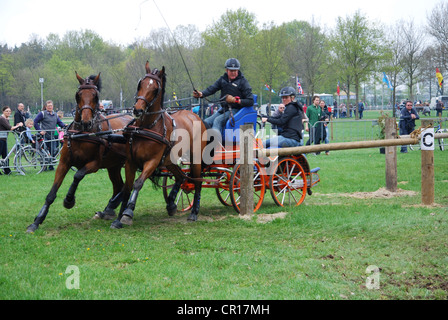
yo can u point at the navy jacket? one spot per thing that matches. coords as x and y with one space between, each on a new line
290 121
407 124
239 87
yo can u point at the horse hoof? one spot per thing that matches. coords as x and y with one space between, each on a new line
116 225
127 220
172 210
69 204
105 215
193 217
31 228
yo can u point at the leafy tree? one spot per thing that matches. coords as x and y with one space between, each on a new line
358 49
269 65
306 54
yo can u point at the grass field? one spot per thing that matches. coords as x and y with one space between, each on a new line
319 250
322 249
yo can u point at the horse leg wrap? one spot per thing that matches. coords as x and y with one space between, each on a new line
171 207
39 219
109 211
196 205
69 201
128 214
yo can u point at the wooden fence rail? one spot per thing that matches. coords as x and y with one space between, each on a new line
427 156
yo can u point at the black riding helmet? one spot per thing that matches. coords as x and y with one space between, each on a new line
232 64
287 91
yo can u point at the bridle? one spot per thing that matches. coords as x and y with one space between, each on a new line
95 111
150 104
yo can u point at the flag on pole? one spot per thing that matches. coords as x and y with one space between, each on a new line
338 90
439 77
268 88
299 86
386 81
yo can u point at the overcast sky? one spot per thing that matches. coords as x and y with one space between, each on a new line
122 22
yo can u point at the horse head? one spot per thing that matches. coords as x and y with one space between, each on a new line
150 91
87 99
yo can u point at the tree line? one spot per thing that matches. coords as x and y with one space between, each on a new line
355 53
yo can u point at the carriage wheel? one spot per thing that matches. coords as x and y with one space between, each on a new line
259 180
288 183
185 197
223 187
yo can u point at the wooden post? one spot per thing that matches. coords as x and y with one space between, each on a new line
427 172
391 156
247 169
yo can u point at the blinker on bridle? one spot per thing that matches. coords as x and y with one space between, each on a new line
149 104
87 85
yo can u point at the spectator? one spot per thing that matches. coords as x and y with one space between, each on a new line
335 109
101 107
343 111
277 114
234 88
327 115
29 123
360 108
291 121
46 122
439 108
20 116
407 121
6 126
316 129
426 110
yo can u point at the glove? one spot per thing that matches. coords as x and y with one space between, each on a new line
232 99
197 94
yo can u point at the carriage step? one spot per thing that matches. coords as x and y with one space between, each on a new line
313 179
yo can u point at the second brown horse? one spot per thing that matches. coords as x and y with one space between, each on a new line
151 141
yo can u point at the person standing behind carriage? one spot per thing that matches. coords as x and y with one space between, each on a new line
236 90
46 122
316 116
291 121
407 121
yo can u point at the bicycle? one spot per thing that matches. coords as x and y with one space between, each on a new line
47 155
26 158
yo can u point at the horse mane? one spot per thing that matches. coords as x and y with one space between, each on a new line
92 77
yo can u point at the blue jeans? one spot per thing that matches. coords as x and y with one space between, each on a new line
281 142
218 120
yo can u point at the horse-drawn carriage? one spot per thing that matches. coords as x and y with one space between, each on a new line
146 143
288 179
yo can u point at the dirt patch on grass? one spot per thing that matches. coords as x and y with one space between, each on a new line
263 218
381 193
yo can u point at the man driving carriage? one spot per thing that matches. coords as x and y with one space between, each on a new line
291 121
235 91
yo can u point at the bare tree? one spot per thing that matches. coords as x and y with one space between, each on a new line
438 23
412 53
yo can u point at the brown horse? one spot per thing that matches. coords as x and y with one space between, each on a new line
86 148
151 143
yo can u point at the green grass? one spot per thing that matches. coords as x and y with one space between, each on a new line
320 250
